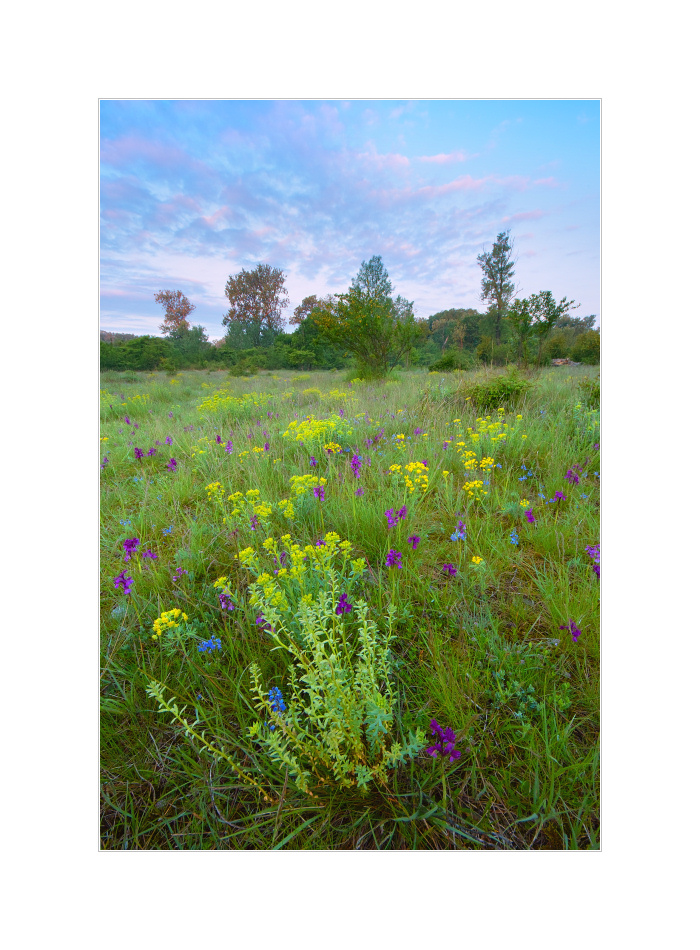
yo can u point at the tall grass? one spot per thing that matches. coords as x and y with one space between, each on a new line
480 651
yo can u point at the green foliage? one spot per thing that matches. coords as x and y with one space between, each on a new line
557 347
492 390
244 367
488 351
452 360
497 266
366 322
340 725
586 349
590 391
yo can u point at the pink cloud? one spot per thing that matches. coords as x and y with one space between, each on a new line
524 216
392 160
547 182
444 159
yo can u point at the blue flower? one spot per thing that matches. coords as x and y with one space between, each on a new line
168 530
513 537
208 646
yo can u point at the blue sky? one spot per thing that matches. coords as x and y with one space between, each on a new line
192 191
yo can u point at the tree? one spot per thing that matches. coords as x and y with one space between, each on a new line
177 309
257 299
496 286
536 316
367 322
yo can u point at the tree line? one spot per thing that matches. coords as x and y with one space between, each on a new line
366 327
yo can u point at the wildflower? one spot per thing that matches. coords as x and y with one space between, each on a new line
360 492
276 701
574 630
180 572
168 530
343 606
391 518
313 462
208 646
560 496
267 447
172 465
168 440
319 492
476 559
104 462
572 477
445 744
151 451
226 602
513 537
530 516
130 546
401 513
356 465
170 415
138 454
414 541
127 420
149 554
418 431
459 533
449 569
393 559
254 522
126 583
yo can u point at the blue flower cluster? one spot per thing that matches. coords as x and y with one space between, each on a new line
208 646
276 704
514 537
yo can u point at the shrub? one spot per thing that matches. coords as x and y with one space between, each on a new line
492 390
586 349
556 348
490 352
244 367
452 360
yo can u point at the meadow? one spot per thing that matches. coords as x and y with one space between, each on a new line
339 614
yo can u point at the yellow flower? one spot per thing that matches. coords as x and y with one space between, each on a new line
477 560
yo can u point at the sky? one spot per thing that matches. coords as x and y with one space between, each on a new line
193 191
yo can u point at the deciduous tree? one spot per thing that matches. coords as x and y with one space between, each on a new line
257 299
367 322
497 287
177 309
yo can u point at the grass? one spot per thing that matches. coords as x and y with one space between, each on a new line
481 652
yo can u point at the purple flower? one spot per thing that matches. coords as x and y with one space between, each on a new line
121 580
170 415
151 451
445 744
445 446
530 516
218 440
260 621
267 446
104 462
136 425
356 465
188 429
130 546
414 541
149 554
254 522
391 518
319 492
401 513
312 462
418 431
180 572
360 492
343 606
572 477
168 440
226 602
574 630
450 569
560 496
158 442
393 559
127 420
172 465
138 454
229 446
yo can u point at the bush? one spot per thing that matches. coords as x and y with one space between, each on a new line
492 390
556 348
587 348
244 367
452 360
490 352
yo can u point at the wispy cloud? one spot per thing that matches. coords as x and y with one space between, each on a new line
444 159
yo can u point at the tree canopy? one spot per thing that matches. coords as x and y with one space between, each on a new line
367 322
177 309
257 299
